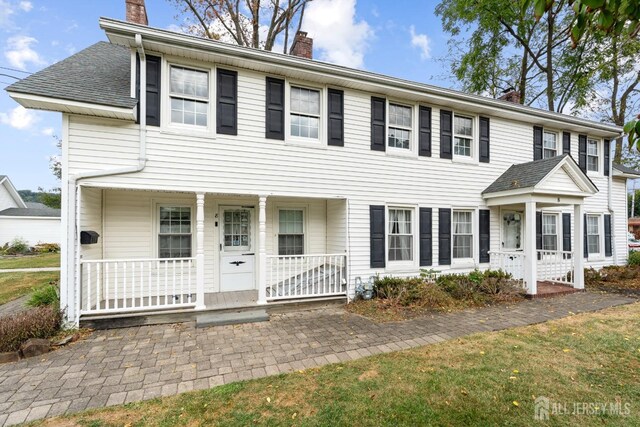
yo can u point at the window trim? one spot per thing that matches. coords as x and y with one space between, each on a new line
321 141
412 129
277 233
599 156
156 226
405 264
558 139
555 215
166 126
595 256
474 236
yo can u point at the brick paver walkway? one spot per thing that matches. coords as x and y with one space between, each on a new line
126 365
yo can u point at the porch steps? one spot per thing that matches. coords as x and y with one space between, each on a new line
231 318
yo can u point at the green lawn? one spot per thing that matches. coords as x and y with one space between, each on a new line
484 379
34 261
14 285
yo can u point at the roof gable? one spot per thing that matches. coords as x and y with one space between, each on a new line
7 187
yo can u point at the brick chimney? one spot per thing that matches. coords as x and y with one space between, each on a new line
302 45
511 95
136 12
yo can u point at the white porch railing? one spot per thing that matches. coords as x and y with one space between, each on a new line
305 276
119 285
509 262
555 266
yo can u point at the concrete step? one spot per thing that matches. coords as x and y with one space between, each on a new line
231 318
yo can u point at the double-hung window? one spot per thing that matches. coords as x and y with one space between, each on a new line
462 136
290 232
399 126
593 234
174 232
549 232
189 94
305 112
549 145
592 155
462 232
400 234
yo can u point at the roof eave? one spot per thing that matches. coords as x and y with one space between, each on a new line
128 30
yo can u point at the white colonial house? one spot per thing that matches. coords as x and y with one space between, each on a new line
247 177
32 222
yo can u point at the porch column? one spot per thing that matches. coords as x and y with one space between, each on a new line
530 253
262 250
200 251
578 245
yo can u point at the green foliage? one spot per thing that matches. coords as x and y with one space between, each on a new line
46 296
41 322
634 258
16 247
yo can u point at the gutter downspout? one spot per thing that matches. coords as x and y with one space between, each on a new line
142 162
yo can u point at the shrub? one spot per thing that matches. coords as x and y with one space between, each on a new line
41 322
461 287
412 291
44 248
634 258
45 296
592 276
17 246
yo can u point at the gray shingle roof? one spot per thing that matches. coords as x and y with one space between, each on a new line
99 74
47 212
621 168
524 175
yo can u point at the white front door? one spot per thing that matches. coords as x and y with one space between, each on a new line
512 231
237 243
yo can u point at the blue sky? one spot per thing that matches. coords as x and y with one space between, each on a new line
376 35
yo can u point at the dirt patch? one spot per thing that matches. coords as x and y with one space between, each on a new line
367 375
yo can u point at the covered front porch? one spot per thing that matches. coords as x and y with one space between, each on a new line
143 251
542 230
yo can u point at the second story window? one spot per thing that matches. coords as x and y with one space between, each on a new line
549 145
592 155
462 136
399 126
305 112
189 93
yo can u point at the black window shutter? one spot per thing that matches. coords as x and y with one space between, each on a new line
608 249
153 89
274 123
537 142
424 124
539 232
484 228
378 123
377 236
426 240
607 158
335 120
484 139
444 236
227 103
566 143
566 232
584 236
582 152
446 134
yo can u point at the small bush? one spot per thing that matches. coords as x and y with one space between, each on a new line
46 248
41 322
412 291
17 246
634 258
45 296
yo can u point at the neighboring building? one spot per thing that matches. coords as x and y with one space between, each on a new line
244 172
33 222
634 226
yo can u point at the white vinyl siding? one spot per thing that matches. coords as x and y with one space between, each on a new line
462 233
400 235
550 232
462 136
549 144
189 96
593 157
399 132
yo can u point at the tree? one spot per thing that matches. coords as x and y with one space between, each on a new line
504 46
252 23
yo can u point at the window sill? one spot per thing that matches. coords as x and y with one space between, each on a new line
595 258
464 159
197 133
306 143
401 267
400 152
463 263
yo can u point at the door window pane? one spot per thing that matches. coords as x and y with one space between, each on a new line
237 228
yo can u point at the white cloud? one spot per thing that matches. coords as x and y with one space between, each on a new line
19 52
19 118
48 131
336 33
25 5
422 42
5 14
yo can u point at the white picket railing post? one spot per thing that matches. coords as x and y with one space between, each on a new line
200 305
262 250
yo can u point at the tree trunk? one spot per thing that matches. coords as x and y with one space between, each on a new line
549 68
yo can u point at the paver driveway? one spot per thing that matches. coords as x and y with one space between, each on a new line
126 365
